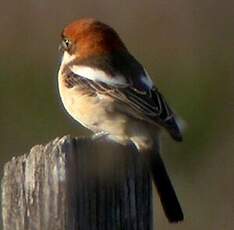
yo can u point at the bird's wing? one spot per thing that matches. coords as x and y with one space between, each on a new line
147 101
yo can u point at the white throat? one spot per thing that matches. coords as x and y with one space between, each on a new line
67 58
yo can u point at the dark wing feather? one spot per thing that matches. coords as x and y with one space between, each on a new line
150 105
154 107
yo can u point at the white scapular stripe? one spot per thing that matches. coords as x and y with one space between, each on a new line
97 75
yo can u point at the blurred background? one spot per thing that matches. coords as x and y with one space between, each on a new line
187 47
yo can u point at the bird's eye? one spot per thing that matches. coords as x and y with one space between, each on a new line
66 44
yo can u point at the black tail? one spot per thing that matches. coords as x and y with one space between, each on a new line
164 187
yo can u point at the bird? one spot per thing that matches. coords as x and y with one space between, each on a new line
105 89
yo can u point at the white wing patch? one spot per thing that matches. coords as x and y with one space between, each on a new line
97 75
147 80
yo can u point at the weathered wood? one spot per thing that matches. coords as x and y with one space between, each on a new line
77 184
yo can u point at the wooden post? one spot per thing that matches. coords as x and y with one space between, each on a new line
77 184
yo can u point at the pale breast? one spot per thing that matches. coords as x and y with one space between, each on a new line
97 112
83 105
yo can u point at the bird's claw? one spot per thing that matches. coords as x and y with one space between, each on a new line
99 135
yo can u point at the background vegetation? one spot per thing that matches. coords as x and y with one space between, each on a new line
187 47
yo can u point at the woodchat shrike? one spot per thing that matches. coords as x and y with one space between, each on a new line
103 87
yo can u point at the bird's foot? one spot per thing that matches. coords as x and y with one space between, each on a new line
99 135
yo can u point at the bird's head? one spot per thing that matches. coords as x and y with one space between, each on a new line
85 38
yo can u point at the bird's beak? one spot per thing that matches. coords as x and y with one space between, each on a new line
61 47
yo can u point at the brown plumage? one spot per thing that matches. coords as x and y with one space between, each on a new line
92 38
